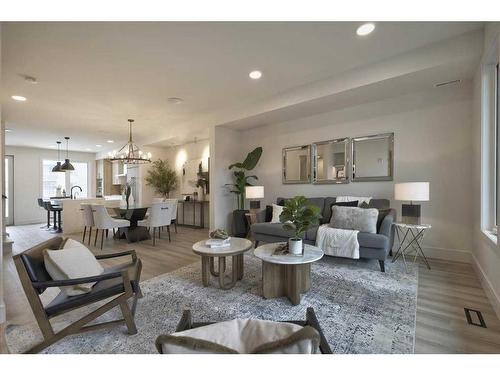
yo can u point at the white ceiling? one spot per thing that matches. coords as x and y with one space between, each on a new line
93 76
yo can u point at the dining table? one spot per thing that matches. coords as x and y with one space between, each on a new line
132 213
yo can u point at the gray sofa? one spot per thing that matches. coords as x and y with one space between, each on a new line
371 245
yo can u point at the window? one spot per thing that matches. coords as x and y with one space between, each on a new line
490 140
52 180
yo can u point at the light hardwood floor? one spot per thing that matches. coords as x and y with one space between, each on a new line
443 292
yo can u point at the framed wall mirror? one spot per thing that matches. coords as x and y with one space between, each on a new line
331 161
297 165
373 158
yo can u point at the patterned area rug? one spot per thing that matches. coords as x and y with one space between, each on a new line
360 309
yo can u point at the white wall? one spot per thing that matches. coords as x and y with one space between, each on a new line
486 254
226 147
2 145
432 143
28 180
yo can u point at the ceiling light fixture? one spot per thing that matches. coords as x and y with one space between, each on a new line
174 100
8 130
30 79
58 166
98 145
365 29
130 152
19 98
110 141
255 74
67 166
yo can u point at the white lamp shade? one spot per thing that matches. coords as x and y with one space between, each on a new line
254 192
411 191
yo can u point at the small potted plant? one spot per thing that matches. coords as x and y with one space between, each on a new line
298 216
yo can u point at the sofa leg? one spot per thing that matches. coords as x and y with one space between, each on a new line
382 265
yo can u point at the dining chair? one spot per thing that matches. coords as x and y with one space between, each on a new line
104 222
88 220
174 212
160 216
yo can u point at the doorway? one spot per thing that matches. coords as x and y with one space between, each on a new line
9 190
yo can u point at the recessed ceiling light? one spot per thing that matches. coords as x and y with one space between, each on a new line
18 98
255 74
110 141
52 146
8 130
88 149
98 145
365 29
174 100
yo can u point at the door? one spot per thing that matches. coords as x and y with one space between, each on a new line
9 190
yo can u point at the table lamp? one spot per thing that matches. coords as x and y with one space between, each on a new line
254 193
413 192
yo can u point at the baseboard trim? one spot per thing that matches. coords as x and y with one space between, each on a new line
448 254
487 286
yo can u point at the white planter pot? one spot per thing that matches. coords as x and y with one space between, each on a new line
295 246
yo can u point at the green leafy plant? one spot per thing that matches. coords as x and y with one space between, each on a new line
240 177
162 178
298 216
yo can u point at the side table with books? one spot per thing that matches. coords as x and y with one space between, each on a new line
211 249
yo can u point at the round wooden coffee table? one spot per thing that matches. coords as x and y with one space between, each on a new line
236 249
286 275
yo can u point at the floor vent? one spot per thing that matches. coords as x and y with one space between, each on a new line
478 317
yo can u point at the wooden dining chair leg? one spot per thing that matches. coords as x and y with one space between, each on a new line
107 232
159 233
96 234
90 235
154 236
114 232
102 237
175 225
168 230
84 232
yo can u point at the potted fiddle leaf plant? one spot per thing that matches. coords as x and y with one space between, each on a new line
297 216
240 181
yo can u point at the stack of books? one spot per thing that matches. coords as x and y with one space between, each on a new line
217 242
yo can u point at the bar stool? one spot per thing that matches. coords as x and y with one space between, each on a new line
41 203
57 228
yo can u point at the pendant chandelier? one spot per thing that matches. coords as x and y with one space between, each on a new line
67 166
130 153
58 166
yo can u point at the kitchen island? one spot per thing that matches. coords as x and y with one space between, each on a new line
72 220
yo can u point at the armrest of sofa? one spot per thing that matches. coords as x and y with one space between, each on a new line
386 226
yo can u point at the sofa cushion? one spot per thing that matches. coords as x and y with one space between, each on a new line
268 214
378 241
272 229
311 233
355 218
340 204
277 210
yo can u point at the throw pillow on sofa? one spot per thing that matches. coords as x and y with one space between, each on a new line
277 210
341 204
354 218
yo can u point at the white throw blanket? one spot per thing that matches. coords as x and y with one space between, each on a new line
338 242
349 198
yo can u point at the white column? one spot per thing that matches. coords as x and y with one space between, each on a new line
2 221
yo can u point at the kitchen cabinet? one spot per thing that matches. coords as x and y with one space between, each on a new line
119 170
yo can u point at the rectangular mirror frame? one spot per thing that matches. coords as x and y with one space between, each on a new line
314 160
283 172
390 177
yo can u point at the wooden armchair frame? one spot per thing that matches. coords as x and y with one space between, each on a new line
34 288
311 320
